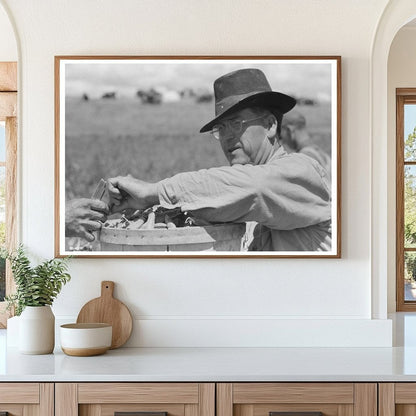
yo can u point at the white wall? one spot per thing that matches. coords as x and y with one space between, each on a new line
401 74
202 302
8 46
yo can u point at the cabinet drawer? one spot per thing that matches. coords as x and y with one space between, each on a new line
138 393
148 399
21 399
309 399
19 393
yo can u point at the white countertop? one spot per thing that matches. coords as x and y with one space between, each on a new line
222 364
215 364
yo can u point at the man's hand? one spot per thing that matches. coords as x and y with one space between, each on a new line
128 192
83 216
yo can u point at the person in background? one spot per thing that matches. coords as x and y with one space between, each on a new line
294 137
287 195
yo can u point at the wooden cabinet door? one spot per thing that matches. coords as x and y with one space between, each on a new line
297 399
143 399
26 399
397 399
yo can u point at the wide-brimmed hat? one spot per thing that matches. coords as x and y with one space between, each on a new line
246 88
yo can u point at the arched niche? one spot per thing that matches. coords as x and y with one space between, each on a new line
396 14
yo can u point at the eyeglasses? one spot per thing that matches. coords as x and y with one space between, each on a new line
235 125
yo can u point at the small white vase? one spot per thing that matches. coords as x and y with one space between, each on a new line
37 330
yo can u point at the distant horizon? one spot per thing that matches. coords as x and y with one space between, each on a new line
300 79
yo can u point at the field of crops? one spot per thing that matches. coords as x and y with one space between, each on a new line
106 138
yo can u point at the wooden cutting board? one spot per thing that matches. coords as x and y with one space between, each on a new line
108 310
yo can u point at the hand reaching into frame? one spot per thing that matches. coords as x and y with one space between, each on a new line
83 216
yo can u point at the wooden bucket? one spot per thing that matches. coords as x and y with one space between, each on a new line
222 237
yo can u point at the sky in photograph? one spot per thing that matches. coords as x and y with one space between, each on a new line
309 79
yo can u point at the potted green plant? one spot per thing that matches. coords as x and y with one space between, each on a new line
36 289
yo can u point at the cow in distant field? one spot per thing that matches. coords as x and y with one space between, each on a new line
305 101
109 95
85 97
187 93
149 97
204 98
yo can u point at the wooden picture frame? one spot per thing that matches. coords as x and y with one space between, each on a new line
141 115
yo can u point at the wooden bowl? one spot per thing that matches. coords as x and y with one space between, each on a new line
84 340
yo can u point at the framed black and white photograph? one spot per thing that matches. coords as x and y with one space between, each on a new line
198 156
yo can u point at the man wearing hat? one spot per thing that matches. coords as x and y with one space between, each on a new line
287 195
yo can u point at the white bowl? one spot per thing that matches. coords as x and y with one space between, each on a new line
83 340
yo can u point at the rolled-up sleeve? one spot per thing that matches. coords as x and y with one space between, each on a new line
289 192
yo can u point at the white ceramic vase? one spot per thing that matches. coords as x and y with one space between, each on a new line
37 330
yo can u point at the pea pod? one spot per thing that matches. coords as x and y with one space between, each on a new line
170 224
135 225
150 223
